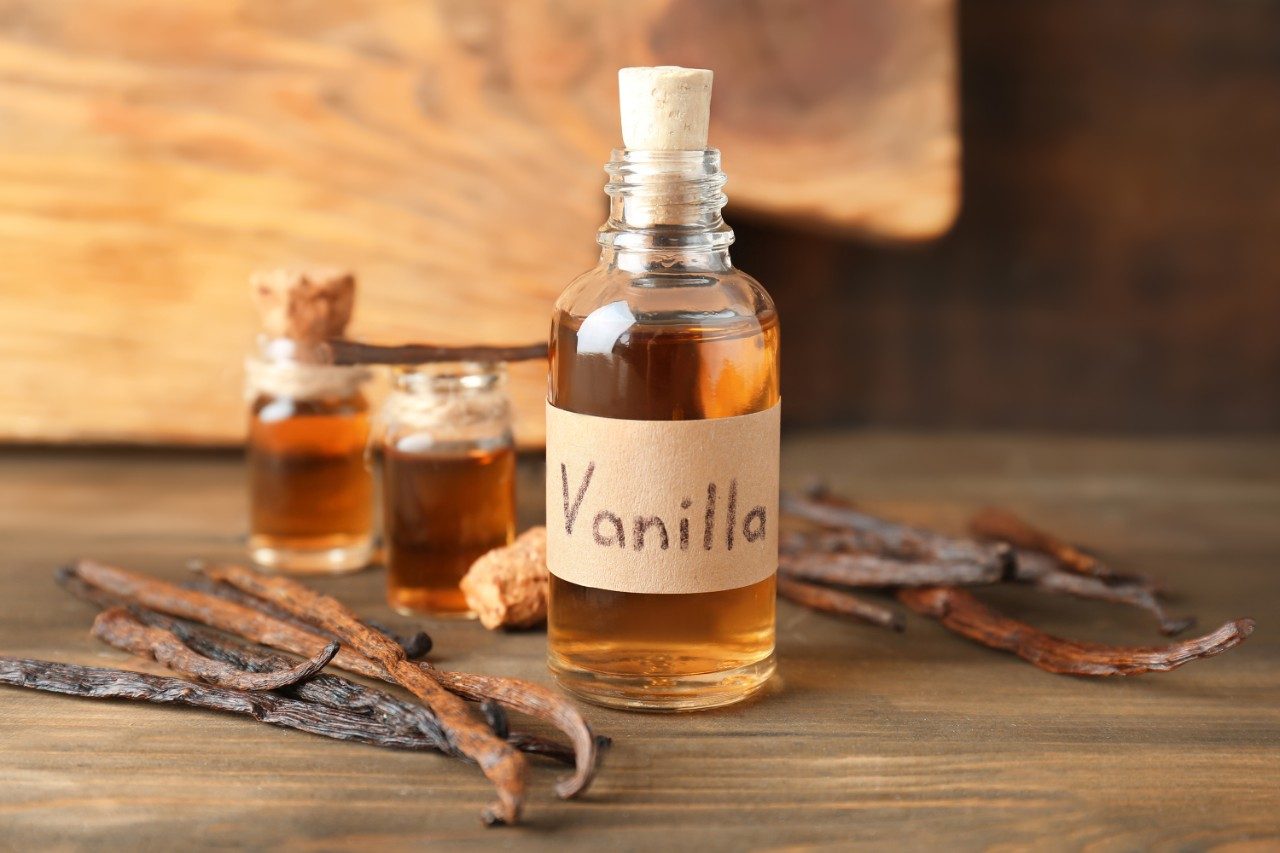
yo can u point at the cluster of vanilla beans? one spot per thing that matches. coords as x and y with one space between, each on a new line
220 628
840 548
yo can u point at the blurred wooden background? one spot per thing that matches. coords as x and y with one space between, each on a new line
155 152
1113 267
1116 262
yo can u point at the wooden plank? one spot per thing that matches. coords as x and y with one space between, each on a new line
916 741
155 153
1090 257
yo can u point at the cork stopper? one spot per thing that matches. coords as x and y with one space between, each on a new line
664 108
304 305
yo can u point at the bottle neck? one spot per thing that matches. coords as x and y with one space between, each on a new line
463 403
300 370
665 211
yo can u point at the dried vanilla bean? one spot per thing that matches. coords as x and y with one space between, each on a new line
275 709
118 628
327 690
331 690
333 616
835 601
246 622
415 647
541 703
337 692
252 624
960 612
873 570
553 750
1041 571
355 352
503 764
897 540
1004 526
469 734
518 695
496 716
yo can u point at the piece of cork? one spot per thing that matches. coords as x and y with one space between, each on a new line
304 305
664 108
507 587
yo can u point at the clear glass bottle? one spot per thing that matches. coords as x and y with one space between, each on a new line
448 481
663 329
310 487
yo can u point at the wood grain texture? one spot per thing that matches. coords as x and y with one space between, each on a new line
1114 267
155 153
916 740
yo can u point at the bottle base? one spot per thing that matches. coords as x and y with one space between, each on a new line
459 615
698 692
435 602
350 556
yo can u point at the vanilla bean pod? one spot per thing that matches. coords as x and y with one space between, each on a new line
873 570
504 765
267 707
355 352
817 557
325 689
330 691
214 611
962 613
898 540
518 695
1041 571
337 692
415 647
1004 526
841 603
118 628
252 624
553 750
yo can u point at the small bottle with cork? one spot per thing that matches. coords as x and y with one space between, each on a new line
448 481
662 431
310 487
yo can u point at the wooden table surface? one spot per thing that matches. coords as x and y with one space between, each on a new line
915 740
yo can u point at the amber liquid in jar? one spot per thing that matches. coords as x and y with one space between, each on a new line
676 372
310 488
443 510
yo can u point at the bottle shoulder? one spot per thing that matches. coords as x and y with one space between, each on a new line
665 296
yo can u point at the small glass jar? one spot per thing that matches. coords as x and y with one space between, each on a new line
310 485
448 481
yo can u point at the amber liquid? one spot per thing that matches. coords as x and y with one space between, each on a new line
310 490
667 649
442 511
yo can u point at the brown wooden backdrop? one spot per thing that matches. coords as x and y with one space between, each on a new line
154 152
1116 262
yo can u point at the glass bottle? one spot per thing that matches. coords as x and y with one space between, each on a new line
448 481
663 329
310 487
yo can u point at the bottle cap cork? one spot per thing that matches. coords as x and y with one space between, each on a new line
305 305
664 108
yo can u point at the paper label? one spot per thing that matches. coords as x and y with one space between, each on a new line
662 506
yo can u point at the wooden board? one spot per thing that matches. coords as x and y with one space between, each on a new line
912 741
155 153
